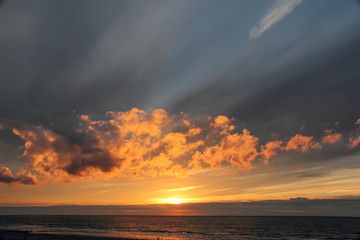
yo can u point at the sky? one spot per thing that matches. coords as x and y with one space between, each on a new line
146 103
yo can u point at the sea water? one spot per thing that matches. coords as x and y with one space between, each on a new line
169 227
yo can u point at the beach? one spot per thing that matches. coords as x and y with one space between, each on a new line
28 235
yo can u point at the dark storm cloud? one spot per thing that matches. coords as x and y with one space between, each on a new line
95 158
81 146
7 177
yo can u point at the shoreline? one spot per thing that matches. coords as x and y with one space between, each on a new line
29 235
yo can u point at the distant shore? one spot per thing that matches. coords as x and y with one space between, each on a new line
28 235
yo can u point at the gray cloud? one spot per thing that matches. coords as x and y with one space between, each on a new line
312 175
7 177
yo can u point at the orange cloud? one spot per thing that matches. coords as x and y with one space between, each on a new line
236 150
330 137
270 149
144 143
222 122
136 143
353 142
357 122
303 143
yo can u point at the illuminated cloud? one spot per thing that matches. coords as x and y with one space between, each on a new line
270 149
235 150
177 189
357 122
136 143
303 143
278 11
331 137
353 142
141 143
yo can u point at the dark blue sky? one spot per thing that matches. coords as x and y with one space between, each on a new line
187 56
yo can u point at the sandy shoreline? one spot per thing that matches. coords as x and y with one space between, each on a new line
20 235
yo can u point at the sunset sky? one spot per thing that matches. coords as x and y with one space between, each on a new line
171 102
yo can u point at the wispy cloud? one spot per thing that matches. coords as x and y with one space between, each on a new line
177 189
278 11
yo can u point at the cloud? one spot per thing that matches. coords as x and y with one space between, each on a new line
357 122
312 175
353 142
330 137
270 149
141 143
7 177
177 189
236 150
303 143
135 143
278 11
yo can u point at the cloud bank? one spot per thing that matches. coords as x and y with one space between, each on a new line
278 11
141 143
293 207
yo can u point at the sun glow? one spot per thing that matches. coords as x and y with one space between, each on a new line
172 201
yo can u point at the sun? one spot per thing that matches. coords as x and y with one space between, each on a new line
172 201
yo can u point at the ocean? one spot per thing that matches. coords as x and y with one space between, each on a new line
176 227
